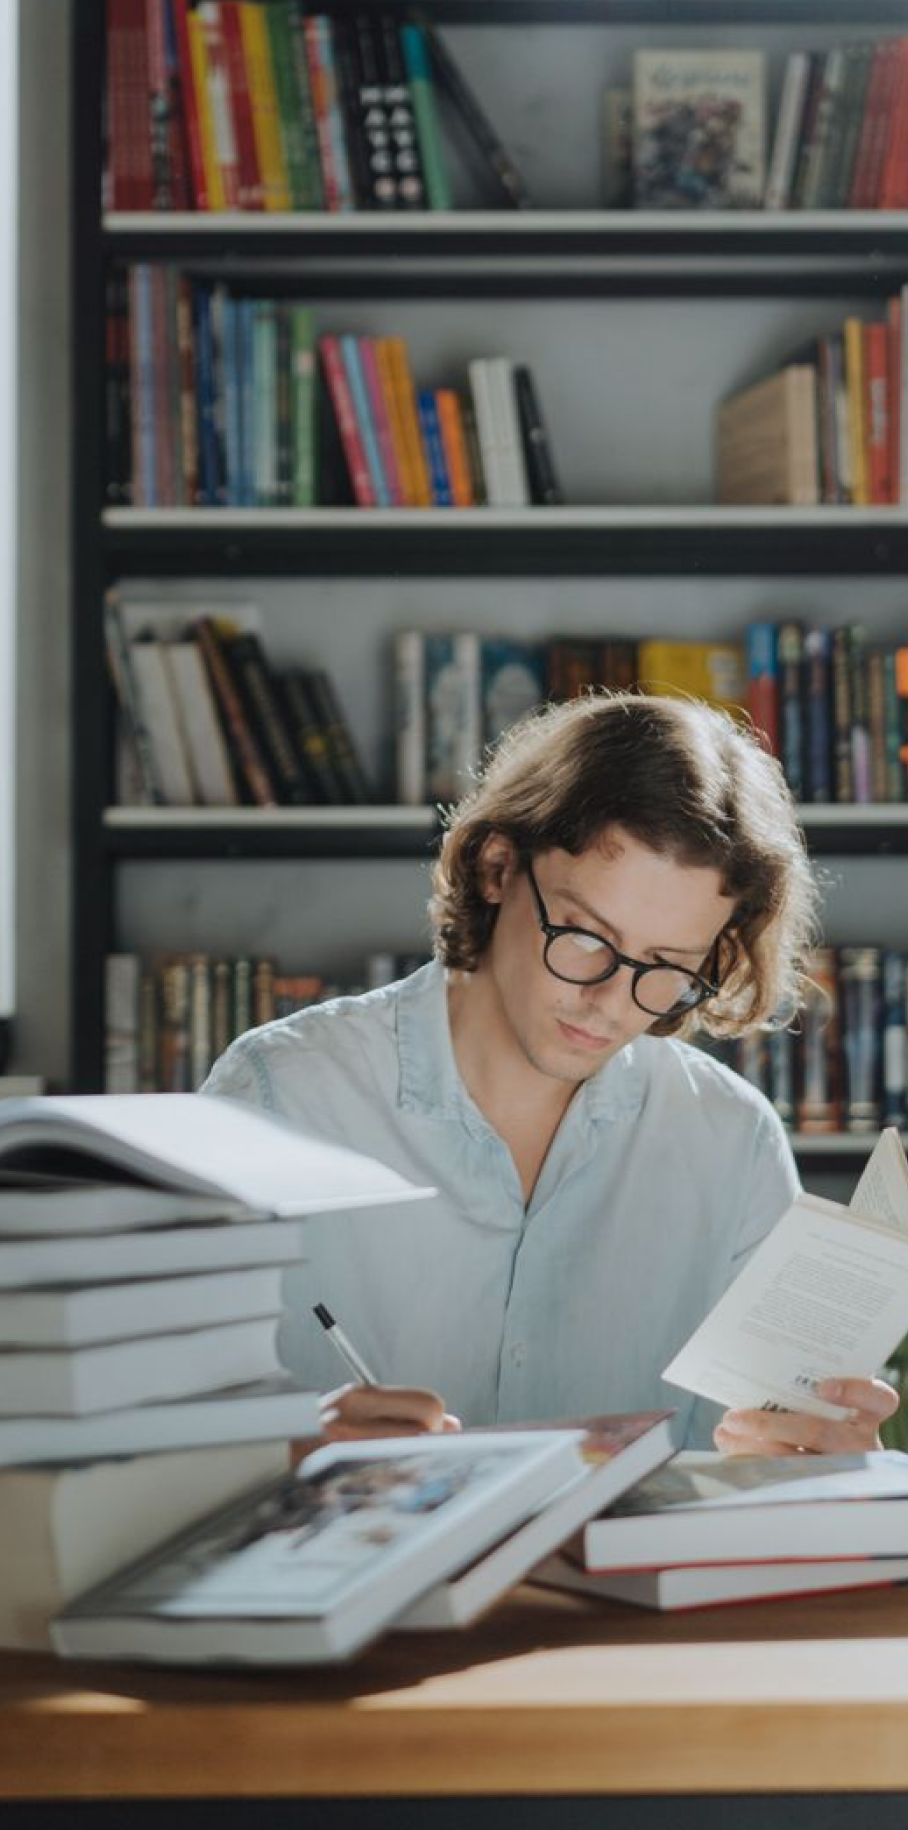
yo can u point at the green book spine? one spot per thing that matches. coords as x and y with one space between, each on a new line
314 197
283 63
302 347
428 132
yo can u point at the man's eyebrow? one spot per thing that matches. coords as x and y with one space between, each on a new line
603 922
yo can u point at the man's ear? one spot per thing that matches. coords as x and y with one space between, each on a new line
497 866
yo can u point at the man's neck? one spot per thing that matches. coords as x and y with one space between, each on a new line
515 1097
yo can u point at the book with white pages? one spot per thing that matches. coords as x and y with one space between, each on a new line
155 1252
253 1163
317 1563
61 1317
616 1452
716 1584
74 1381
824 1296
270 1410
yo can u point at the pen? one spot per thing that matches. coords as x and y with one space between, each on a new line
345 1348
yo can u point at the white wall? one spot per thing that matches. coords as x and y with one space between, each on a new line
41 1038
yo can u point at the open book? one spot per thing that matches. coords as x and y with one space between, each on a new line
145 1159
311 1566
824 1296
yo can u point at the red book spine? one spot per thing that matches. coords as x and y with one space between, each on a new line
190 107
250 192
876 411
245 748
894 396
861 197
181 197
890 191
222 111
345 414
129 101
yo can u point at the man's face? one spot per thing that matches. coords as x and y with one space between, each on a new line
646 903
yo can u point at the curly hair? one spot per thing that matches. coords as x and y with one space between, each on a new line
679 777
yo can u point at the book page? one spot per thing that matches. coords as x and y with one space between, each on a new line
882 1192
824 1296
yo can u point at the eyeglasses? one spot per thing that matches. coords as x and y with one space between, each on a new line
580 958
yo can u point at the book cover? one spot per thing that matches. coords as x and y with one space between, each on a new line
453 733
698 130
860 970
512 683
410 717
415 54
545 489
312 1566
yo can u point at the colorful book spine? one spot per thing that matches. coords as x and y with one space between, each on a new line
335 164
302 357
348 425
859 977
400 393
428 130
454 440
430 428
263 102
763 689
378 410
356 379
894 994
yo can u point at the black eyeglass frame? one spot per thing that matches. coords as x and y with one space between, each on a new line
703 988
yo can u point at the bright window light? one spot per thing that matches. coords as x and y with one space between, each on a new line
9 277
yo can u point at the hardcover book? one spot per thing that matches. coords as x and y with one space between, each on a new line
699 130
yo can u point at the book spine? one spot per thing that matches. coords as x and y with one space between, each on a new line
289 115
777 195
214 186
398 104
201 1055
537 451
332 143
345 413
763 691
861 770
843 773
264 368
876 717
302 338
496 159
819 1103
313 192
428 131
454 441
221 101
895 774
381 420
249 178
379 186
894 992
818 707
263 710
430 428
198 177
854 384
859 973
780 1058
901 693
283 377
876 411
356 379
263 101
117 650
249 759
404 395
309 737
410 717
344 756
121 1023
159 102
173 1025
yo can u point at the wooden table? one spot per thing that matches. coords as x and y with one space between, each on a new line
552 1703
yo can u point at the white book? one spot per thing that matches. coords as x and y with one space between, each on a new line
321 1560
479 373
204 741
710 1585
73 1382
153 1306
158 710
62 1530
788 131
508 439
162 1251
710 1508
251 1161
271 1410
410 716
121 1023
617 1452
453 713
824 1296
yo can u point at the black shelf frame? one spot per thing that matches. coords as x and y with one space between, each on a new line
603 259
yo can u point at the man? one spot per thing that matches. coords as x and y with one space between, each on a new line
628 870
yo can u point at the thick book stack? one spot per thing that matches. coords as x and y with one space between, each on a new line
828 427
845 1067
140 1289
206 721
218 398
169 1016
264 105
833 708
707 1530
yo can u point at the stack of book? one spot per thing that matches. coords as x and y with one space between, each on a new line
709 1529
840 133
235 106
142 1244
220 398
205 720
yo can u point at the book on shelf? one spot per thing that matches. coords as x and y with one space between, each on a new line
714 671
310 1567
699 129
705 1508
706 1585
824 1296
616 1453
468 114
452 698
64 1529
766 443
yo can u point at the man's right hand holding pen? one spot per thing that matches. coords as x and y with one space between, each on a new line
366 1409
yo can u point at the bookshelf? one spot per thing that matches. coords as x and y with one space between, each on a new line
749 285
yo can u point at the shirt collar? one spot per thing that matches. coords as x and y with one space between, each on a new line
429 1081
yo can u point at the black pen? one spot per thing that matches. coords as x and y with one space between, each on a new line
352 1360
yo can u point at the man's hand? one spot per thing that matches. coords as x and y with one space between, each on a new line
360 1411
870 1402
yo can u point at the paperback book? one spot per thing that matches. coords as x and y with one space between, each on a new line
699 130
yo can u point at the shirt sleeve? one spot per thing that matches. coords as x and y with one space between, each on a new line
241 1073
771 1186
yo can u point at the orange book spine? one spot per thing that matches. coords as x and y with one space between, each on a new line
395 422
876 411
405 394
454 440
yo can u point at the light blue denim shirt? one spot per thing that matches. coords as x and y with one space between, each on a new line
666 1171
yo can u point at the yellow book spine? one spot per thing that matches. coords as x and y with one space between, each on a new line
395 420
214 184
263 104
854 389
405 395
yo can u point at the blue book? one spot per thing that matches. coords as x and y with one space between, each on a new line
818 703
792 707
245 321
763 690
354 370
232 400
513 683
430 426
